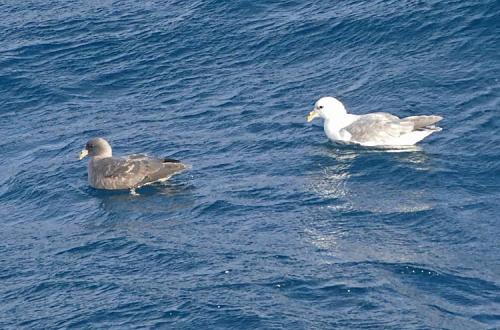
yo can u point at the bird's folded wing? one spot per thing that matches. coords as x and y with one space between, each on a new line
127 169
132 171
159 169
377 128
135 157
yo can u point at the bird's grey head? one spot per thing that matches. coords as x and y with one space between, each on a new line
97 147
327 107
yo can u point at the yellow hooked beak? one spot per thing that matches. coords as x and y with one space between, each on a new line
313 114
83 154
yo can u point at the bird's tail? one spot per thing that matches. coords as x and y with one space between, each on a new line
176 164
170 160
424 122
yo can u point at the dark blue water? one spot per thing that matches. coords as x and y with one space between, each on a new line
274 226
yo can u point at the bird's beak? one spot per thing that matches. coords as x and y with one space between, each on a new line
313 114
83 154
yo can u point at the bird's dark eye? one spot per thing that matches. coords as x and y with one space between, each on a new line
321 107
88 146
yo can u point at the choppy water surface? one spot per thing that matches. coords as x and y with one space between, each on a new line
274 227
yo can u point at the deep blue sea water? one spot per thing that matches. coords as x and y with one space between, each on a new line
274 226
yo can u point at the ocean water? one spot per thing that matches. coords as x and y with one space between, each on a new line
274 226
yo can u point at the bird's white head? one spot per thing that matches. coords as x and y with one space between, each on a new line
326 108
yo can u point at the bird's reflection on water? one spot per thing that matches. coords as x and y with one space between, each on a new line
154 201
368 179
362 193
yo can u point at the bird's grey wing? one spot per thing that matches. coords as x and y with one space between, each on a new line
377 128
136 157
159 169
381 116
117 173
133 171
422 122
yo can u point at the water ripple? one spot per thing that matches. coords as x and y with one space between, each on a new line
274 226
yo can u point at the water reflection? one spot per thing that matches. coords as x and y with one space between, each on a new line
364 192
371 180
153 202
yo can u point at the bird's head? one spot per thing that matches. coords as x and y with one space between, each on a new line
97 147
327 107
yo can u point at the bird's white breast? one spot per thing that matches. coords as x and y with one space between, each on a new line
334 127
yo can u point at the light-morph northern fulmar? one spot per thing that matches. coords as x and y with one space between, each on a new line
129 172
378 129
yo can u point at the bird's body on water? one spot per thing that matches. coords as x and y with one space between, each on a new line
379 129
128 172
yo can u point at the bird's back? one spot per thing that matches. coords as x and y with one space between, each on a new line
130 172
384 129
